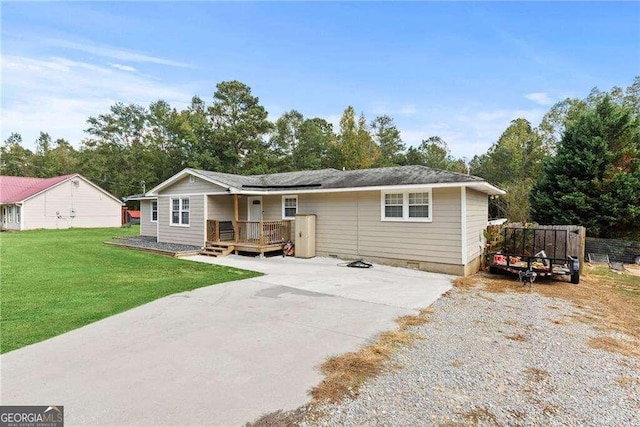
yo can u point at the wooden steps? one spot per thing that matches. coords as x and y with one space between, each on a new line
217 249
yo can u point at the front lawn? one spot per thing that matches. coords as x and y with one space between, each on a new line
53 281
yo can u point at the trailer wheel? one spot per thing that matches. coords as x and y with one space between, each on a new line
493 270
575 278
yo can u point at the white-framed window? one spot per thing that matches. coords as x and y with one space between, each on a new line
154 211
411 205
180 211
289 207
18 214
11 214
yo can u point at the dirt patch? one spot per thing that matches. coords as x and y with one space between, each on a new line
613 345
516 337
607 300
281 418
627 381
633 269
536 375
480 414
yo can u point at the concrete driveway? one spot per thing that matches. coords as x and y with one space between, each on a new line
220 355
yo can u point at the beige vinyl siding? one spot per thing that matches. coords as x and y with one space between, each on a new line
242 208
336 221
147 228
272 208
477 219
349 224
185 235
436 241
220 207
200 186
52 208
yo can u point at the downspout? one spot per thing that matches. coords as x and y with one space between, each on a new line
463 226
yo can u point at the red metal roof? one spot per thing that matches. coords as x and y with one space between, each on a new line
17 188
134 214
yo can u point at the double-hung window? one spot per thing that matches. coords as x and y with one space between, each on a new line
289 207
180 211
406 206
154 211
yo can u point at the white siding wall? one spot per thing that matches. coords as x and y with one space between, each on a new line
52 209
477 218
147 228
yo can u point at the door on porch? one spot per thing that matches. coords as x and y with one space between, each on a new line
254 204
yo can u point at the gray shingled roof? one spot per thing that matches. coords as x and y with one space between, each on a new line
333 178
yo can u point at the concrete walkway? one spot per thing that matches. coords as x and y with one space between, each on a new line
221 355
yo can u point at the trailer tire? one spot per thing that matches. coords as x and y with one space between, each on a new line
493 270
575 278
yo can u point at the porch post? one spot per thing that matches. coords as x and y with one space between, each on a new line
235 217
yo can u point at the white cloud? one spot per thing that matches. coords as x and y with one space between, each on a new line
469 133
115 53
541 98
407 110
123 67
57 95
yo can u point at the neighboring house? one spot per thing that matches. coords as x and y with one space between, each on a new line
60 202
409 216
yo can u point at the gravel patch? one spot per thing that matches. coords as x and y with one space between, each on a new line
149 242
499 359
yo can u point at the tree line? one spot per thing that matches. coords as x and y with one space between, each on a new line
543 168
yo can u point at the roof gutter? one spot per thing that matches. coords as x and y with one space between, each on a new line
480 186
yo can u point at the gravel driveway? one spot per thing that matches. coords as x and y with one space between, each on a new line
500 359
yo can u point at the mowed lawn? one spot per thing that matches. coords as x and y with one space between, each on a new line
53 281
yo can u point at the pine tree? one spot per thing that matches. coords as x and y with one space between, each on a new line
594 180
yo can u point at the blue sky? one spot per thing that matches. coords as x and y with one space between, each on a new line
461 71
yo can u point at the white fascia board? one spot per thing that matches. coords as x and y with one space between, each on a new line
143 198
219 193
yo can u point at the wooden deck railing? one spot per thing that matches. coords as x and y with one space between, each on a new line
264 232
257 232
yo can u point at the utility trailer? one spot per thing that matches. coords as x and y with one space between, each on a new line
534 252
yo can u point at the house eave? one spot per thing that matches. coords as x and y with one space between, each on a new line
481 186
183 173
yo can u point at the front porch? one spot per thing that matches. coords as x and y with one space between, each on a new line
224 237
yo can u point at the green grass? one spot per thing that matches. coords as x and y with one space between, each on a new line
53 281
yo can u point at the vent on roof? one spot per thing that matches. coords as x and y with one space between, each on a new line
192 179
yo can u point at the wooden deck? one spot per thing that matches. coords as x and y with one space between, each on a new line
246 236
